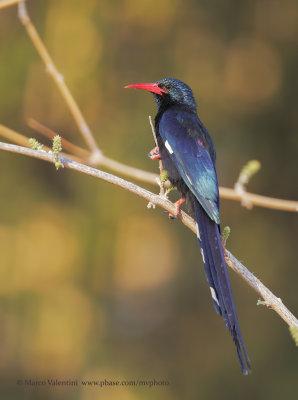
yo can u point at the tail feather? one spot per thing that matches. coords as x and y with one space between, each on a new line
218 279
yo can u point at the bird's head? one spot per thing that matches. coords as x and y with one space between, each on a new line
169 92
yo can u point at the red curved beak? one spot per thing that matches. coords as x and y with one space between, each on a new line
151 87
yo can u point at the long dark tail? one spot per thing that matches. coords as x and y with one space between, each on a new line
218 279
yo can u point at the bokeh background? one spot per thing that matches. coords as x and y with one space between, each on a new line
93 285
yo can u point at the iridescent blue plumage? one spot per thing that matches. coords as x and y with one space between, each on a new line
181 129
187 153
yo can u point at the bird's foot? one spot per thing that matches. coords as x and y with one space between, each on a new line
154 154
177 204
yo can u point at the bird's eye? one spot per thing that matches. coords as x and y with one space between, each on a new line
165 86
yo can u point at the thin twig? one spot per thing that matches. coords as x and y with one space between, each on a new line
24 141
49 133
258 200
153 132
126 170
8 3
271 300
13 136
159 180
59 80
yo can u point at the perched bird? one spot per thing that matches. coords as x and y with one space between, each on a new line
188 155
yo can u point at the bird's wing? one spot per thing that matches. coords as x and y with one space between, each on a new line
183 138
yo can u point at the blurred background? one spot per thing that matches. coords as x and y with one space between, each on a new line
93 285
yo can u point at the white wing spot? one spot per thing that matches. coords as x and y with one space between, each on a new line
190 181
198 232
167 144
214 297
203 256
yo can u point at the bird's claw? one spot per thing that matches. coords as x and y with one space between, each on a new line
177 204
154 154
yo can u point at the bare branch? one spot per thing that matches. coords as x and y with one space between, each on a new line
16 137
7 3
59 80
258 200
271 300
126 170
160 180
153 132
